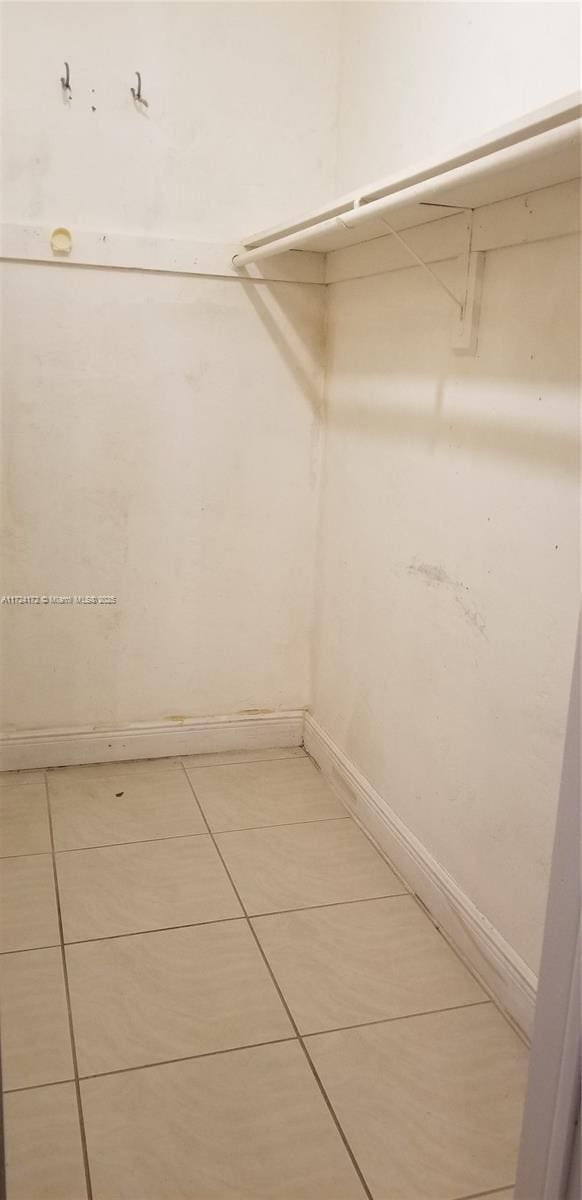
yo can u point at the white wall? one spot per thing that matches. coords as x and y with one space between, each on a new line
158 446
240 125
418 79
159 432
448 554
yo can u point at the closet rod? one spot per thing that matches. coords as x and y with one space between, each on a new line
437 188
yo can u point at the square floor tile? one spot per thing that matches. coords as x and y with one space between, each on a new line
226 757
295 866
431 1105
247 1125
98 812
132 766
248 795
362 962
24 823
36 1044
157 996
148 885
44 1158
28 907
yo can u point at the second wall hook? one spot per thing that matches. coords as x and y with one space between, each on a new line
66 86
136 92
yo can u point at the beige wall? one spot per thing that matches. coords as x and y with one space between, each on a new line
153 435
447 589
240 125
159 432
420 78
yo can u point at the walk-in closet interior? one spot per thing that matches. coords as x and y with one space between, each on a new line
290 377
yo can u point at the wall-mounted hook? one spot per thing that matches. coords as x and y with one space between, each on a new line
65 82
136 92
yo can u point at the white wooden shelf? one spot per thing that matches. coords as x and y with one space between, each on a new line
538 151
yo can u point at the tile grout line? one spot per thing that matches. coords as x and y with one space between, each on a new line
115 937
172 767
34 1087
164 1062
26 854
251 762
281 912
69 1009
483 1195
220 920
109 937
168 1062
170 837
426 1012
31 949
290 1017
282 824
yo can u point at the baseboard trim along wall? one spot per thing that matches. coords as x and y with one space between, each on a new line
498 967
204 735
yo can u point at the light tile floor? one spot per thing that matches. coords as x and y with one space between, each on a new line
215 988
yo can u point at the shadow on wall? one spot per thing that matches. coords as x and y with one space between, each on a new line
391 372
551 449
308 376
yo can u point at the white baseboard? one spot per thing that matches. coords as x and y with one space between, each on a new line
498 967
206 735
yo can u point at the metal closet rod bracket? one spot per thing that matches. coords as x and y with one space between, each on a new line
468 304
